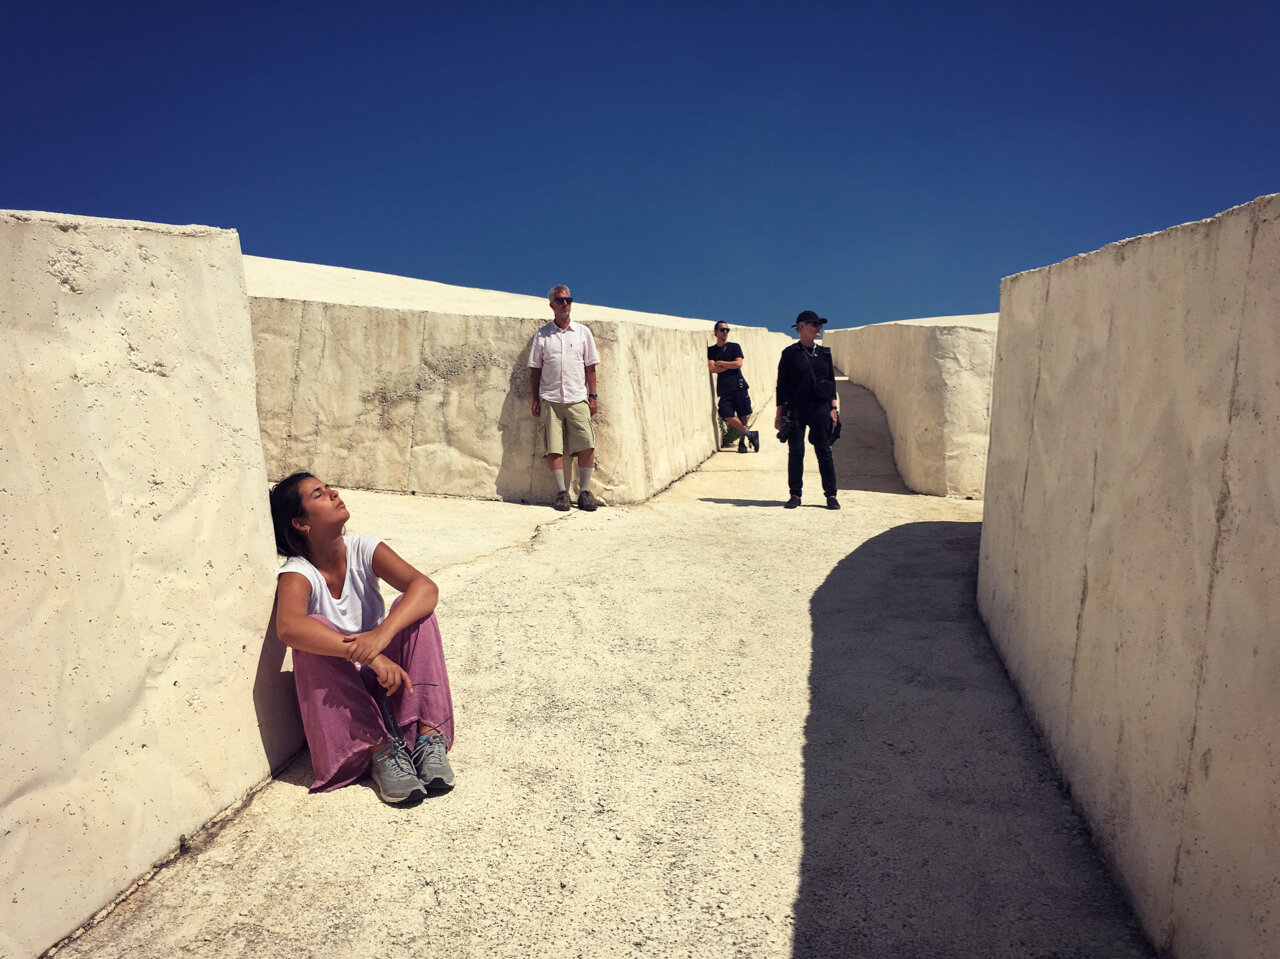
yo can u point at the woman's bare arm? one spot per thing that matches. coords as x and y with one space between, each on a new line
420 597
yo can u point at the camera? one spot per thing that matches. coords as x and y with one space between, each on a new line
788 426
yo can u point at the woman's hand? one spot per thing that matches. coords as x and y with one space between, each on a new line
363 648
835 416
390 676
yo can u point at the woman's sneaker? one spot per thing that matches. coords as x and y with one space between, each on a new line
394 776
432 762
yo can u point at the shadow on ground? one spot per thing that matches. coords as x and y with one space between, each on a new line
934 823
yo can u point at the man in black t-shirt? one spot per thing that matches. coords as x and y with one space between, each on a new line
725 360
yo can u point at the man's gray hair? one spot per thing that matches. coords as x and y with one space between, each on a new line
551 293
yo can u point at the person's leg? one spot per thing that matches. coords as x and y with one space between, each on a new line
555 463
580 441
426 711
339 715
742 404
553 443
728 411
420 652
820 437
795 461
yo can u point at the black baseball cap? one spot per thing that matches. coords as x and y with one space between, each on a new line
808 316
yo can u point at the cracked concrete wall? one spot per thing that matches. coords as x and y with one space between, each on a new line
932 377
383 382
1127 571
136 557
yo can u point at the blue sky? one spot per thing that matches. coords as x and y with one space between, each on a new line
733 161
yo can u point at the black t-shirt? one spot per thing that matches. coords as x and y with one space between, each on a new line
727 381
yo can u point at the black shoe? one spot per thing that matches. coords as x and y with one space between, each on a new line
562 500
742 443
792 503
754 437
832 503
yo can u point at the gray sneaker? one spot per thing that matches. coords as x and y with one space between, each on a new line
394 776
432 762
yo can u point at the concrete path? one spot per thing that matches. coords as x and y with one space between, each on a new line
704 726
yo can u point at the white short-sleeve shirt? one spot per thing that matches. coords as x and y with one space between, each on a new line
360 607
563 356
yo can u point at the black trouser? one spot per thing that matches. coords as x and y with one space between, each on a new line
816 421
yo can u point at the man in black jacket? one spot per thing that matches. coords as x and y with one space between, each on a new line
806 396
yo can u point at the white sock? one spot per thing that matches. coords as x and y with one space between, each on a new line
584 478
558 476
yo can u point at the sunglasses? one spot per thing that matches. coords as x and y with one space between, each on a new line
563 299
723 329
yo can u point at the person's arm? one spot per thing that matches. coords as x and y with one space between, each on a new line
593 403
733 363
297 630
778 393
835 400
419 600
719 366
295 627
535 380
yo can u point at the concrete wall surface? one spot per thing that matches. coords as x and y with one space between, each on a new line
933 379
1129 555
136 559
384 382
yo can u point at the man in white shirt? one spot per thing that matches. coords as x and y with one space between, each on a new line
562 379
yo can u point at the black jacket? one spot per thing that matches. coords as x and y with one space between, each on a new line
804 379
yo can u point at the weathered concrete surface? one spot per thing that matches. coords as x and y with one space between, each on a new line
750 732
135 557
933 378
1129 556
384 382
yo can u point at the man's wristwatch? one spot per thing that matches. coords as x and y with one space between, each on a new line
593 396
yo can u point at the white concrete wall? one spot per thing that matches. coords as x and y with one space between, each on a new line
933 380
136 558
1129 556
384 382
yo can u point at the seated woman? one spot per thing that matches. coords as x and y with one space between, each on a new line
348 651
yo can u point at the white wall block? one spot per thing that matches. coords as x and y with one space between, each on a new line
1132 525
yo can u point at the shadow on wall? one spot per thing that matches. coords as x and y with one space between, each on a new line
864 453
275 702
934 823
521 471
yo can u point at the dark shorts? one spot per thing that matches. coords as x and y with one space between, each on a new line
737 403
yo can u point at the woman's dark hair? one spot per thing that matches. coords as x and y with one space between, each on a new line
286 506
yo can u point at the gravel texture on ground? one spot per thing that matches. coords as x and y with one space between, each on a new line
702 726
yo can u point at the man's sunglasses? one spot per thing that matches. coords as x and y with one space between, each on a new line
723 329
563 299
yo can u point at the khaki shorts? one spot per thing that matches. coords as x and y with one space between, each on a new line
566 427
